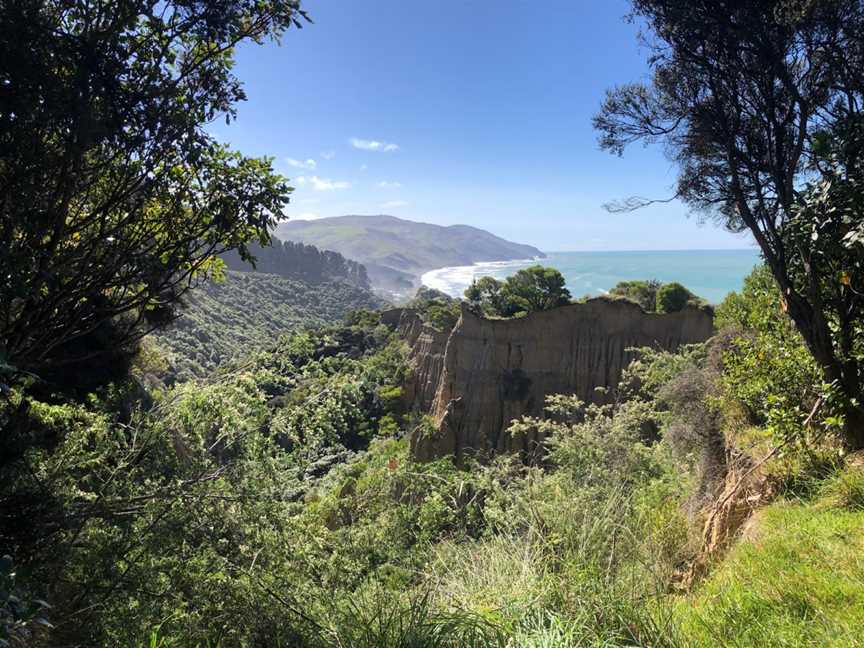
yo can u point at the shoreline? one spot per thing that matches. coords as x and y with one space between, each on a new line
434 278
717 273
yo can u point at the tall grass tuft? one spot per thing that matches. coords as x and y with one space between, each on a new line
377 619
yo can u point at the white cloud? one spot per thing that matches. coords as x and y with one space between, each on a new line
373 145
306 216
322 184
363 167
385 184
328 155
394 203
309 164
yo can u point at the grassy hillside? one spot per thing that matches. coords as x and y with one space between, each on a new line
396 251
795 579
249 311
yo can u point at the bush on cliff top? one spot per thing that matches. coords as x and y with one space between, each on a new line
531 289
655 296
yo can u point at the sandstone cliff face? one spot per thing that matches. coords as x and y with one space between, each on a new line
426 357
486 373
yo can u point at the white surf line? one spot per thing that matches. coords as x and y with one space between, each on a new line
453 280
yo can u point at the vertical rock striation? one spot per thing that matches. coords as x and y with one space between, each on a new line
485 373
426 357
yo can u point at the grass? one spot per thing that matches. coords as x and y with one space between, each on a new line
796 580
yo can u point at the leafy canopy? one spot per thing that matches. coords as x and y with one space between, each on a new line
531 289
115 198
761 106
643 293
767 368
672 297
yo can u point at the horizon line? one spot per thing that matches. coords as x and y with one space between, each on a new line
747 249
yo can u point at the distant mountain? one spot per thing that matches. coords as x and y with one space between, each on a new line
298 261
397 252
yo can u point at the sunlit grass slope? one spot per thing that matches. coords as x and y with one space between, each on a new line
796 578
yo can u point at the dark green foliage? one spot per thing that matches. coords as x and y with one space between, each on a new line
274 502
643 293
250 311
185 517
115 198
656 297
536 288
436 308
768 369
761 106
486 295
672 297
22 619
531 289
284 486
297 261
363 317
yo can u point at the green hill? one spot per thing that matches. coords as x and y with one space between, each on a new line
396 252
248 311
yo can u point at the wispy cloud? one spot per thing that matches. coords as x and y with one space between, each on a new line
322 184
386 184
309 164
363 167
306 216
373 145
328 155
393 204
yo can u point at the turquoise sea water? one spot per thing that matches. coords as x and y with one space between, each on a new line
711 274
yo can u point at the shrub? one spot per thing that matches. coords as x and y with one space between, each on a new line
672 297
643 293
767 368
846 488
531 289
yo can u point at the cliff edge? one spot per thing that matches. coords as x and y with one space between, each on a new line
487 372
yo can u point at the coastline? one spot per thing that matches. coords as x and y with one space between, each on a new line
711 274
448 278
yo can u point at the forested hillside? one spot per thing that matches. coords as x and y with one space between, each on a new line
249 311
299 261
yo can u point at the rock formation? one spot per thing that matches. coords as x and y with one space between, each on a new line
426 357
485 373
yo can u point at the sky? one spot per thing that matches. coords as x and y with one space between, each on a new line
475 112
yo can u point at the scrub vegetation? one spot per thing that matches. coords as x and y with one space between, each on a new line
246 478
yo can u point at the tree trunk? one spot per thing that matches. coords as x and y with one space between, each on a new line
853 431
813 327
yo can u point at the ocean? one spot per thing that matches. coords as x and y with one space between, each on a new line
710 274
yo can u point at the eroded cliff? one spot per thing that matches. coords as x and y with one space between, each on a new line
486 373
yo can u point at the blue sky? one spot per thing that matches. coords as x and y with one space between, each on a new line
475 112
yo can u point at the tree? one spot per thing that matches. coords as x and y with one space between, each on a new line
437 308
536 289
643 293
528 290
753 100
114 200
672 297
485 294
